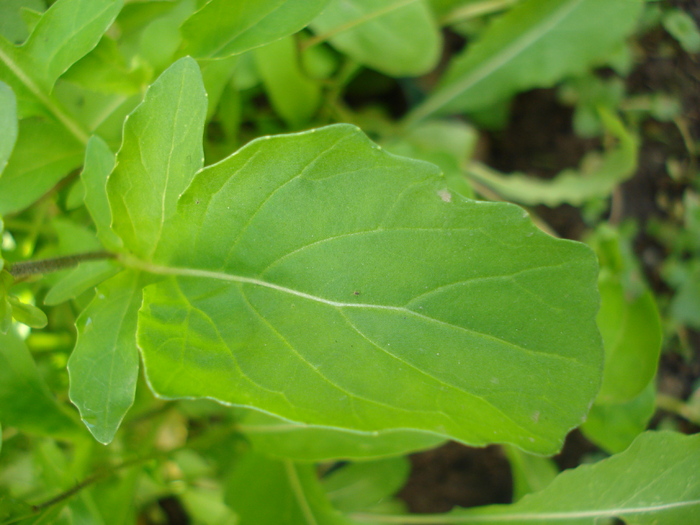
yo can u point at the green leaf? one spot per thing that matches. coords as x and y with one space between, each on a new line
11 25
43 155
683 28
83 277
358 486
221 28
293 95
8 123
597 176
104 365
291 493
653 481
6 280
319 257
530 473
535 44
27 313
25 400
65 33
396 37
613 426
277 437
161 150
632 336
99 163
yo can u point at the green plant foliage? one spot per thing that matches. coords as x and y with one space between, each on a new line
35 410
8 123
524 49
403 29
280 438
221 29
397 328
653 481
597 177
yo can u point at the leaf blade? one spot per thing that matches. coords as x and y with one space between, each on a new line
289 249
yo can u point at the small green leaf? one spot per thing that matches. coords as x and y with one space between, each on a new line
535 44
653 481
8 123
104 365
27 313
683 28
25 400
291 492
85 276
397 37
161 150
613 426
286 439
99 163
221 28
293 95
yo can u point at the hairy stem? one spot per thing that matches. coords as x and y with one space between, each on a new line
55 264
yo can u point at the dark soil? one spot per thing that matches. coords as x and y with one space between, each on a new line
539 139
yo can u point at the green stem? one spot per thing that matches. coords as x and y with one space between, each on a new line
56 264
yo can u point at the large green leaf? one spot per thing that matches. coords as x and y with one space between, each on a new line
654 481
318 278
161 150
8 123
535 44
25 400
104 364
222 28
396 37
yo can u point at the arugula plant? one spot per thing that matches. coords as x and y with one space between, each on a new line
339 297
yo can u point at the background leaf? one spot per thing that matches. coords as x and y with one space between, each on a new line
396 37
404 306
221 28
277 437
535 44
8 123
654 481
25 400
291 492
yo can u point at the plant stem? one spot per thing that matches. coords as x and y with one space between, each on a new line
55 264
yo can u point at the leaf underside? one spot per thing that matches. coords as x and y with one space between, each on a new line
319 278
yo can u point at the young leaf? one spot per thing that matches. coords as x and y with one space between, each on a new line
27 313
161 150
221 28
99 163
293 95
653 481
265 491
25 400
8 123
391 302
286 439
85 276
396 37
535 44
104 365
